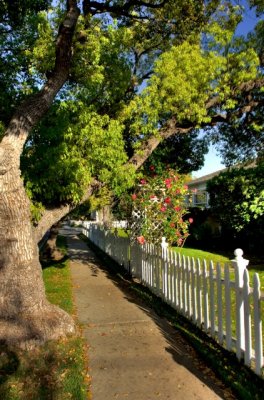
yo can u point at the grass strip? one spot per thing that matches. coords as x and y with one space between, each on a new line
245 384
207 256
58 369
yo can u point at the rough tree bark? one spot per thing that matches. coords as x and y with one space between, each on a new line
25 314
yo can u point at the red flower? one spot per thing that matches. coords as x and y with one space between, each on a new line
167 200
143 181
141 239
179 242
177 208
152 168
172 225
191 220
178 191
168 181
163 209
185 187
133 196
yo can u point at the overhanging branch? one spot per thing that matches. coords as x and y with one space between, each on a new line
94 7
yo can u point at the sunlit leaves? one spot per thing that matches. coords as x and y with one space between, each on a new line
42 55
73 145
236 196
184 78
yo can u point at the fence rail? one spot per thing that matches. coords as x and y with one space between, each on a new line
218 300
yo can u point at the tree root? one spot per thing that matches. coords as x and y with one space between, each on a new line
33 329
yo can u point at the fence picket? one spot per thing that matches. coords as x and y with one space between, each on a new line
199 293
175 277
156 269
205 297
194 302
179 279
239 315
257 325
219 303
188 289
212 299
172 277
228 308
247 319
184 286
174 281
168 277
163 272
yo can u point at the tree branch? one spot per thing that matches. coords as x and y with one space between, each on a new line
32 109
55 214
172 126
94 7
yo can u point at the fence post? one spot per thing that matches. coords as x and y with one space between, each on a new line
240 264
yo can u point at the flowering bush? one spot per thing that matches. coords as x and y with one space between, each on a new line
160 205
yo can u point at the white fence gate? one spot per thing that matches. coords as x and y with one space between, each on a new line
212 298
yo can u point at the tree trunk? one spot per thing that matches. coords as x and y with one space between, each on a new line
50 251
53 215
25 314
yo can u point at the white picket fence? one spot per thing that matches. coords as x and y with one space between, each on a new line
208 296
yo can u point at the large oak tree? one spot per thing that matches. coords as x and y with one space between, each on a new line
120 76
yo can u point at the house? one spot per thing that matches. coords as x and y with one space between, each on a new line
199 196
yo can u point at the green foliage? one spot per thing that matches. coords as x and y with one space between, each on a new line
72 146
259 4
42 55
101 63
182 53
16 11
18 33
236 196
52 165
184 79
180 86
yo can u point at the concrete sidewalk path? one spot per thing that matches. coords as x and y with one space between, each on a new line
133 354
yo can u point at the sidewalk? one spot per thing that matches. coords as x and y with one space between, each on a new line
133 354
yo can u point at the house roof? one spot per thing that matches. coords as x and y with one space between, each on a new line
207 177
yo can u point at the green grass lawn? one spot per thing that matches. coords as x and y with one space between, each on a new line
216 258
56 370
207 256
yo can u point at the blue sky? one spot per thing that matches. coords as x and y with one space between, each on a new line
212 160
